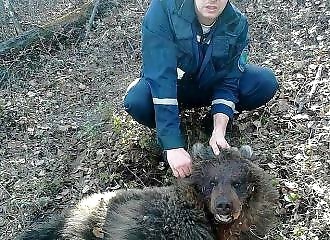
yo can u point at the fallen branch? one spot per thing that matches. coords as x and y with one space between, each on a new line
70 24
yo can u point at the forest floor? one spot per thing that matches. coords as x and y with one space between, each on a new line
64 134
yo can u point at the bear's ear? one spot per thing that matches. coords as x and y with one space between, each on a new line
199 151
234 152
246 152
188 181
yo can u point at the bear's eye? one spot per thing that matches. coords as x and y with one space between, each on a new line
213 183
236 184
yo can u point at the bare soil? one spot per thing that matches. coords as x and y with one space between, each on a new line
64 134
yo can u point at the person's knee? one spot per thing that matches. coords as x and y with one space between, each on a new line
135 96
138 104
269 82
258 80
257 87
130 103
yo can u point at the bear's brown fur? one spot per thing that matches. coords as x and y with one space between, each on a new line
226 198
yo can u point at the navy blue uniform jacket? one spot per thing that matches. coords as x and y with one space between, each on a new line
169 41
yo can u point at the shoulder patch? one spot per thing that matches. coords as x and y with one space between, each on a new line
243 59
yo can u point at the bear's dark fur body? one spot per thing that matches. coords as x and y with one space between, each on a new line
189 210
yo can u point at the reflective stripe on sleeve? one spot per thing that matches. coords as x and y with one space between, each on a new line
225 102
165 101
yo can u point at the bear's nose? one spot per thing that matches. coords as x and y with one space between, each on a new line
224 206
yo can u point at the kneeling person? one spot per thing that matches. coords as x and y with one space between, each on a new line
195 54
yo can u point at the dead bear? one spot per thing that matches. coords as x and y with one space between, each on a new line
227 197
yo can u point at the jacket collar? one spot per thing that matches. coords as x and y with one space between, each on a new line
229 14
186 9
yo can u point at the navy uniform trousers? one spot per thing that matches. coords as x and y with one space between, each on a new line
256 87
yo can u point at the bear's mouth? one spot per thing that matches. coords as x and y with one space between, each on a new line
220 218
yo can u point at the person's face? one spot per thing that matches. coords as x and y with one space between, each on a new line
208 10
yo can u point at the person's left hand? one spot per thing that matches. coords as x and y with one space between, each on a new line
218 141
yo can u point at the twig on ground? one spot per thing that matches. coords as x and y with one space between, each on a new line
10 9
140 4
134 175
91 19
131 46
5 190
316 81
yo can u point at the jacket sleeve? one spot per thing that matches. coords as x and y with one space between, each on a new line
225 93
159 69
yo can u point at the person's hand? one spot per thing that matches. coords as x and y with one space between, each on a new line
218 141
179 161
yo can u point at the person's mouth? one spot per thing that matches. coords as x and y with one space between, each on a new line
211 8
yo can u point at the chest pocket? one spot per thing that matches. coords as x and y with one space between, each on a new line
220 51
185 56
